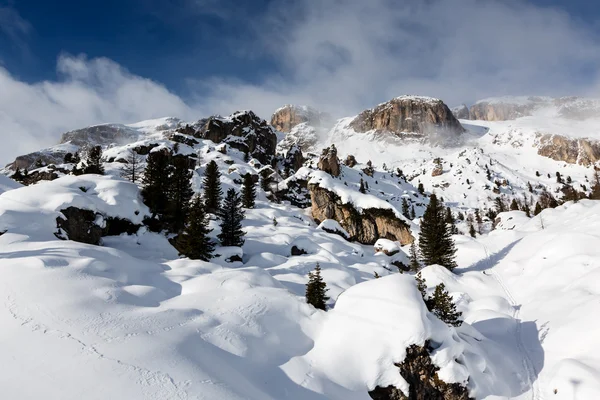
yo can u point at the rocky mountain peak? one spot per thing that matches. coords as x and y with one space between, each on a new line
288 116
408 114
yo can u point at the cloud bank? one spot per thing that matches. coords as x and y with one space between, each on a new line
340 55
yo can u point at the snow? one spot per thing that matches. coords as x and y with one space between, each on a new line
385 245
332 226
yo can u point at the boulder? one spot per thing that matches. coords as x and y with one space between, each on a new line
79 225
243 131
350 161
364 227
420 373
420 116
328 162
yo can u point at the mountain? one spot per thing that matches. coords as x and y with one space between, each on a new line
93 295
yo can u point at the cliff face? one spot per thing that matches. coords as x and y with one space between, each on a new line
409 114
288 116
571 150
461 112
509 108
364 227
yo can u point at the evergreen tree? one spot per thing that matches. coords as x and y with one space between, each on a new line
93 164
421 286
17 176
527 210
514 206
180 192
266 179
529 187
500 207
435 243
248 191
212 187
155 183
194 241
538 208
558 177
405 208
362 186
414 258
472 231
451 221
461 216
316 289
595 193
231 215
444 307
413 215
421 188
132 169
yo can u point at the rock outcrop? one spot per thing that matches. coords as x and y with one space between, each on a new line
364 227
288 116
79 225
506 108
329 162
406 115
420 373
570 150
243 131
294 158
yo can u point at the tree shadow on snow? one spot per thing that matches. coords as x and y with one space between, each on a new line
490 260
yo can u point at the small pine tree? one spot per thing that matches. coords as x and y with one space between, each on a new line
275 223
421 188
413 214
529 187
405 208
212 187
435 242
422 287
316 289
132 169
460 216
94 161
248 191
558 177
500 207
514 206
266 179
527 210
414 258
472 231
444 307
231 215
362 186
194 241
537 209
376 275
537 173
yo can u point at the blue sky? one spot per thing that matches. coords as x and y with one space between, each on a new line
83 62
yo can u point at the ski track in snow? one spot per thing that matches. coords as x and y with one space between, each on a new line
532 374
159 385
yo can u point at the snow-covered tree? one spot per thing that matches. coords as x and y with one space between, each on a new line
316 289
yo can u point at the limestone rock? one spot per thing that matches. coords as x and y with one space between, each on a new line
288 116
420 116
350 161
570 150
329 162
364 227
420 373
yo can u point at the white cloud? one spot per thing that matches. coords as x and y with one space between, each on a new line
345 55
88 92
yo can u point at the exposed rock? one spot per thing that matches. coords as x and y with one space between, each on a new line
365 227
571 150
296 251
243 131
423 116
38 159
102 135
420 373
183 138
294 158
461 112
329 162
288 116
79 225
437 170
350 161
144 150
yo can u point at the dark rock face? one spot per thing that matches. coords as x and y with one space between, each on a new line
365 227
183 139
350 161
296 251
421 116
79 225
329 162
144 150
243 131
421 375
294 158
